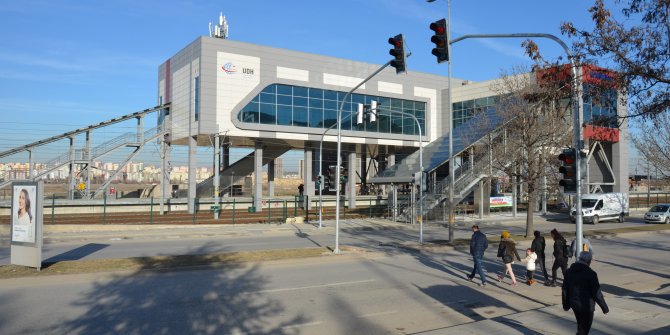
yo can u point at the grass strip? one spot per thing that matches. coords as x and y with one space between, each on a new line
157 263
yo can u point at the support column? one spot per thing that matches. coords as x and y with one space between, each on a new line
271 179
217 181
364 165
89 164
70 191
31 166
166 187
258 177
308 180
226 156
351 179
140 129
390 161
192 166
390 156
483 197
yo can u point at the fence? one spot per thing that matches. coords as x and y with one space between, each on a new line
230 211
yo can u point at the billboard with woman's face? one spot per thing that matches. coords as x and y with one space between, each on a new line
23 213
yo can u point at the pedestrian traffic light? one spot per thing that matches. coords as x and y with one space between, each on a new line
373 111
360 114
319 182
441 50
398 53
568 169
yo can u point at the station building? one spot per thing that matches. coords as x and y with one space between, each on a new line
275 100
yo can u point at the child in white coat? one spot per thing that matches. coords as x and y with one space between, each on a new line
531 256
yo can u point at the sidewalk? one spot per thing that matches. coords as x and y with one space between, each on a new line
433 230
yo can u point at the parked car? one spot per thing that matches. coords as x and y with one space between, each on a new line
658 214
598 207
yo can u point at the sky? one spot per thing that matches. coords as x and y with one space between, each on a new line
65 64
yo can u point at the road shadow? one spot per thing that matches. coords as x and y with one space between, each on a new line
76 253
659 300
658 274
220 298
301 234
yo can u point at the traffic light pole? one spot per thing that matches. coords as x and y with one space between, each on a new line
339 155
321 170
577 107
421 181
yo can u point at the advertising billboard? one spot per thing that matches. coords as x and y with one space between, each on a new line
24 217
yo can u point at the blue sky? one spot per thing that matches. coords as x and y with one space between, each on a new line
66 63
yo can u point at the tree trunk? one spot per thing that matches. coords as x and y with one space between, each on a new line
529 214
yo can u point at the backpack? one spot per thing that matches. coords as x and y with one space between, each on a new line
567 251
502 251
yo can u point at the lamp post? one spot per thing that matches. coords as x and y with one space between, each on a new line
374 111
339 155
577 107
321 169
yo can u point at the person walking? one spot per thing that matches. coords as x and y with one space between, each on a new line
538 245
560 256
301 189
581 292
507 251
478 244
530 259
586 246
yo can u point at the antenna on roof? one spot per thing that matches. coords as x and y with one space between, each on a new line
220 30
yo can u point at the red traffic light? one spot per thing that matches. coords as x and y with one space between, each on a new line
567 158
441 40
398 53
438 28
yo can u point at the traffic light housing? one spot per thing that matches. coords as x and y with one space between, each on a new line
568 169
398 53
360 113
441 50
319 182
373 111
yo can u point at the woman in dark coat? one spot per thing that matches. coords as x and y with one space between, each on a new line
560 257
507 251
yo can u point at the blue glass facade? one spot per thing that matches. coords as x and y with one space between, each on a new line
600 109
465 110
287 105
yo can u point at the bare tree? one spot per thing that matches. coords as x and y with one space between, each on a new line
652 141
637 47
537 123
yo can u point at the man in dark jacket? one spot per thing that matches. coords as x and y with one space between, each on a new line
538 245
478 244
581 291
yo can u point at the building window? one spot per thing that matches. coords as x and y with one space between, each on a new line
196 101
600 107
298 106
465 110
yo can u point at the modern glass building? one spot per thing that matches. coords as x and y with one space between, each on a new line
275 100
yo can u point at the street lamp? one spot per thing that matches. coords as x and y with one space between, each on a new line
374 110
321 169
339 155
577 107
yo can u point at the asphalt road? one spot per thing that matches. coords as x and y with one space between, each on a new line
386 291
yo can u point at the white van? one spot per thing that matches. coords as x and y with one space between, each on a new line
598 207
